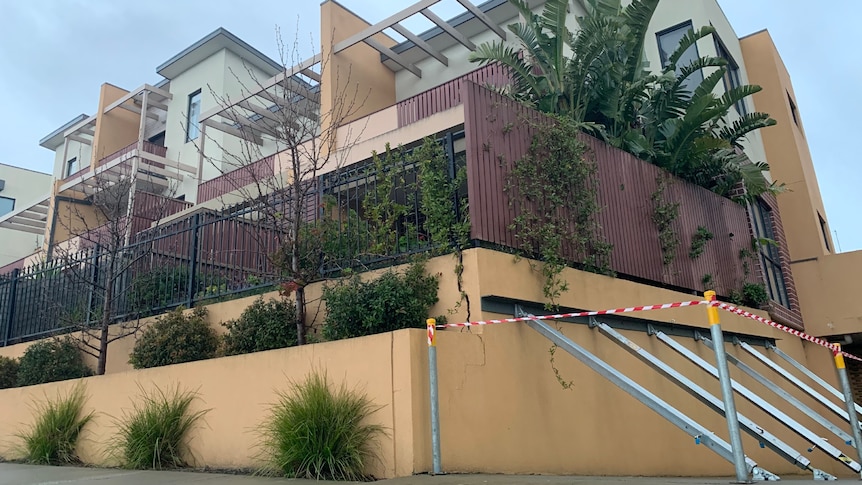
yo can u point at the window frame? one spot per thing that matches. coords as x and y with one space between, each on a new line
770 259
732 76
11 209
824 229
72 162
193 125
663 57
794 110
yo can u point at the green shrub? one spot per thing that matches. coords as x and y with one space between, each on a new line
155 433
391 302
8 372
754 294
318 433
175 338
52 439
50 361
265 325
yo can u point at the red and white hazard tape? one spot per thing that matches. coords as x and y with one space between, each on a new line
784 328
579 314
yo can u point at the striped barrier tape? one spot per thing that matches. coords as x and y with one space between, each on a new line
784 328
579 314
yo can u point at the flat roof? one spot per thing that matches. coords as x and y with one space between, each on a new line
25 169
212 43
54 139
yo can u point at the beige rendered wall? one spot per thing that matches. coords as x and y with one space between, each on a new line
238 391
789 157
115 129
828 290
355 75
502 410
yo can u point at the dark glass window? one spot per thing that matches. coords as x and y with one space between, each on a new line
769 258
7 205
731 76
668 41
193 127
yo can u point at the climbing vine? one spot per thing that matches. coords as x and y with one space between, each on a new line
381 209
553 191
664 215
698 242
444 206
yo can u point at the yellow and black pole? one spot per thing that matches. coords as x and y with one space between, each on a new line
848 399
435 409
726 390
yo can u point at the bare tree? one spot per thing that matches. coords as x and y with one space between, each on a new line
286 138
96 259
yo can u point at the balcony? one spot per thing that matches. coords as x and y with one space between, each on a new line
153 172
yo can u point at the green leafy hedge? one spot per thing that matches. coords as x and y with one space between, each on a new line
392 301
8 372
175 338
265 325
50 361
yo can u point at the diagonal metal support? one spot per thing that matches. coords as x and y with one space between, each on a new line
760 434
795 381
782 393
811 375
815 439
697 431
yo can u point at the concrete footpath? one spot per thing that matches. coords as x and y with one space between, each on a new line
15 474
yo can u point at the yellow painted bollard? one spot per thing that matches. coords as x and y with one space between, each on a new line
841 369
435 410
726 390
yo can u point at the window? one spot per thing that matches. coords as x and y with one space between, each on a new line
193 128
668 41
825 232
769 258
71 167
158 139
7 205
731 76
793 112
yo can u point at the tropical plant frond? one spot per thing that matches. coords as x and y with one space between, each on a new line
745 125
689 39
637 17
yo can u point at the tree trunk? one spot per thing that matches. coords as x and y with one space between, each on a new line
107 307
300 315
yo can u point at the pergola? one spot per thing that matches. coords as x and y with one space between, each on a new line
32 219
295 93
134 160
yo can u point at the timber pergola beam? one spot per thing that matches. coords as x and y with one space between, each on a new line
394 22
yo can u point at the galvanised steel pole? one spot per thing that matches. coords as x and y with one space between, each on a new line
848 400
726 391
435 409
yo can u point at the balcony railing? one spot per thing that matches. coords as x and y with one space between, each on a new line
447 95
236 179
148 148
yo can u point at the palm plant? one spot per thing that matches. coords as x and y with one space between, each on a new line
539 63
598 78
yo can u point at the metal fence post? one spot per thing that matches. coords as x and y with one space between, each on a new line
435 409
10 312
848 400
726 391
193 259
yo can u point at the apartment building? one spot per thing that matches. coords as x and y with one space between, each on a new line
194 142
20 190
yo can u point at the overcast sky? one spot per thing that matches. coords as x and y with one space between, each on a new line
55 54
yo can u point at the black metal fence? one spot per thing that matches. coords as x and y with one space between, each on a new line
212 256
